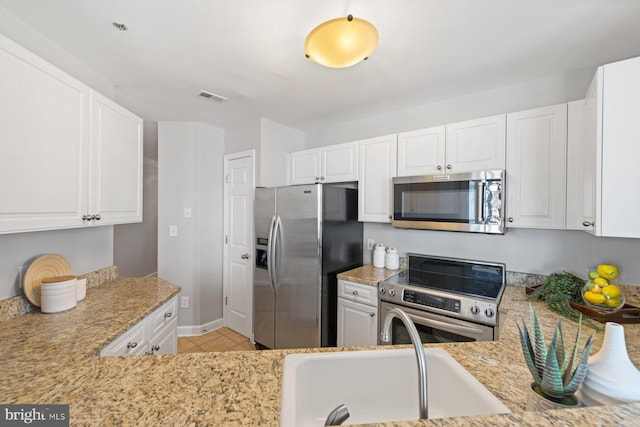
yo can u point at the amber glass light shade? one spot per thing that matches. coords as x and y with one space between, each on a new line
341 42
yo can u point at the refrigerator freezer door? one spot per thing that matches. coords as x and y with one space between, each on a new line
299 267
263 292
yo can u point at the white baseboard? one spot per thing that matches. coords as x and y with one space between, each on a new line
195 330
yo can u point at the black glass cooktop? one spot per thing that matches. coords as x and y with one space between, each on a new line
458 276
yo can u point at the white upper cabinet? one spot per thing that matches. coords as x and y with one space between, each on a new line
421 152
377 164
305 166
575 149
44 135
475 145
340 163
116 178
335 163
536 167
67 154
611 152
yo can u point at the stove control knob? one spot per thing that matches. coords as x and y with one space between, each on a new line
475 310
488 312
382 290
392 292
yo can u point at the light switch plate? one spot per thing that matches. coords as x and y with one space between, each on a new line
184 302
370 243
187 212
173 231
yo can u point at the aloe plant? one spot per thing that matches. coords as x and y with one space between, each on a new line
556 372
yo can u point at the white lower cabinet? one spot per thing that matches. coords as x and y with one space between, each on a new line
357 314
155 334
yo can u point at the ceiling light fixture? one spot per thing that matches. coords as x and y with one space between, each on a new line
341 42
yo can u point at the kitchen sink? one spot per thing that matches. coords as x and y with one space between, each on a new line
378 386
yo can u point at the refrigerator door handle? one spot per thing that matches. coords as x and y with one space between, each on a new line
276 231
270 251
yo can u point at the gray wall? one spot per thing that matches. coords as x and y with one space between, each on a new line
135 246
87 249
523 250
190 174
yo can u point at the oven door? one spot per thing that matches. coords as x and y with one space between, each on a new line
432 328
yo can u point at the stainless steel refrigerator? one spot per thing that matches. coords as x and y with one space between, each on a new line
305 236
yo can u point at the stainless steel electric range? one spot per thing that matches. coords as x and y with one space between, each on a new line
448 299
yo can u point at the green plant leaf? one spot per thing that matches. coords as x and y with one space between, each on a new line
527 351
581 370
551 384
569 365
539 345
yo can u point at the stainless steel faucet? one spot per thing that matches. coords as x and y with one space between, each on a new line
337 416
385 336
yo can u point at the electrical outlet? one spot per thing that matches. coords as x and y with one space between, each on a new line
187 212
370 243
173 231
184 302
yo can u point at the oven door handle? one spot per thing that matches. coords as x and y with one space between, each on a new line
449 327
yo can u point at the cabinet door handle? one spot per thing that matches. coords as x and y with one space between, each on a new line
155 348
448 166
168 315
97 217
587 223
439 167
510 219
85 217
317 178
322 178
355 292
244 256
132 344
372 314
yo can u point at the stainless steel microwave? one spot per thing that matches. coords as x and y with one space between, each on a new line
471 202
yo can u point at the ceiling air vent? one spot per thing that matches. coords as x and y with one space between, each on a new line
212 96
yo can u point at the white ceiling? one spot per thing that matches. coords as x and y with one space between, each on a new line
251 51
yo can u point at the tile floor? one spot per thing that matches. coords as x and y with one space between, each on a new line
223 339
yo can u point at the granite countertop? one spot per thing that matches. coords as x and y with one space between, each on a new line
243 388
368 274
107 311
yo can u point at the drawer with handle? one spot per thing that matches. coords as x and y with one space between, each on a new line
358 292
163 315
130 343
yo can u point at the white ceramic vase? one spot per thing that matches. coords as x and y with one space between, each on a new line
612 378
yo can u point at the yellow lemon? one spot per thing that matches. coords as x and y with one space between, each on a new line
611 291
594 298
608 271
596 289
600 281
612 302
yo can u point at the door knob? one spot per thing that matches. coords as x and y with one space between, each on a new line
244 256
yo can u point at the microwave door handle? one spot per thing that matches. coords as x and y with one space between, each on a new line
480 201
460 329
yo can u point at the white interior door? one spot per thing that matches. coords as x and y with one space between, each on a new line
238 253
